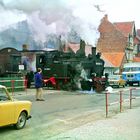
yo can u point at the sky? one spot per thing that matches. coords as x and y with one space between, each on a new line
61 16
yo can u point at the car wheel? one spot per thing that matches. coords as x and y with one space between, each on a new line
124 86
21 121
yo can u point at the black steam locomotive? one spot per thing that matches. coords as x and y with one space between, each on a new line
73 70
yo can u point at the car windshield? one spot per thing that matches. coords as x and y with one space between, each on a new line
114 77
131 69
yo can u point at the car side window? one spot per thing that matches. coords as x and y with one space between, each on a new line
3 96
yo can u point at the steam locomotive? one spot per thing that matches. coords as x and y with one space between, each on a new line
73 71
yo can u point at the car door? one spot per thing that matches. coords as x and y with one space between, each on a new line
7 111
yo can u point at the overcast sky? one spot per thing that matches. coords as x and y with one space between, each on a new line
59 16
123 10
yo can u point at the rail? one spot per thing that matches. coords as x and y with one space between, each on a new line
121 100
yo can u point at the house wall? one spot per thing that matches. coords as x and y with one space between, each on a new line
111 40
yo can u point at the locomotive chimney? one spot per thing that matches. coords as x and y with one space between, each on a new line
93 51
60 43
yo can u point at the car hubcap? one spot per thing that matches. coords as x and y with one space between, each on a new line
21 121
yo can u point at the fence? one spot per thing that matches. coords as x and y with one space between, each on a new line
121 100
15 85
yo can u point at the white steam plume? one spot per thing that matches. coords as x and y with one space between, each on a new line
58 16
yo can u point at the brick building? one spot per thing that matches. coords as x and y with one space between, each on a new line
116 38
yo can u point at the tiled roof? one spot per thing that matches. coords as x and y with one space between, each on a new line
113 59
125 27
75 48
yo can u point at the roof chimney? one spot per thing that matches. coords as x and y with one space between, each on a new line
105 17
25 47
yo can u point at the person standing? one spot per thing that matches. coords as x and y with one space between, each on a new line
39 85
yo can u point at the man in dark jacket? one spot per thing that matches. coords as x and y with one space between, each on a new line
38 85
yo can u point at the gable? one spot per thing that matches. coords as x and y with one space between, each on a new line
75 47
105 27
111 38
127 28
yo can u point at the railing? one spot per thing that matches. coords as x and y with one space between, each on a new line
12 86
121 100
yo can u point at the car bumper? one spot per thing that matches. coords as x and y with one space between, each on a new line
114 84
29 117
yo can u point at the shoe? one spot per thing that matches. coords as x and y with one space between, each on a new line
37 99
41 100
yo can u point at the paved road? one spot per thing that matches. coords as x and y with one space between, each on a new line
61 112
